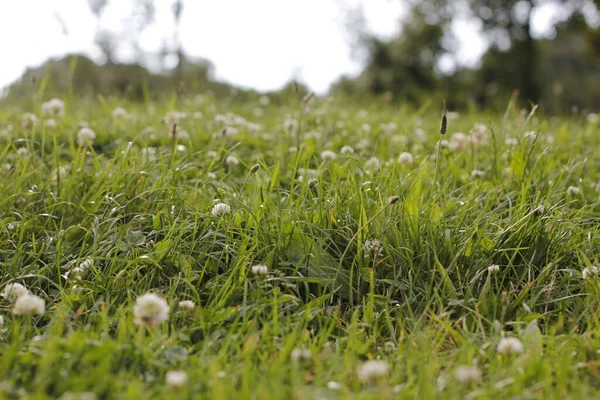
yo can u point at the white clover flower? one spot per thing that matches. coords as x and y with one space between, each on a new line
373 247
54 107
444 144
301 355
187 305
29 120
510 345
259 270
573 191
511 141
13 291
85 137
220 209
493 269
328 155
590 272
80 271
477 173
373 164
465 374
120 112
29 304
211 175
406 158
592 118
333 385
176 379
389 128
211 154
347 150
366 128
458 141
50 123
371 371
150 309
264 100
232 161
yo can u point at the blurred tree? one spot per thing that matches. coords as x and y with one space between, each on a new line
406 65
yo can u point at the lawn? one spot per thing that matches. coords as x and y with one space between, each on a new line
305 249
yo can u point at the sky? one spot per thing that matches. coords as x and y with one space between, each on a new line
260 44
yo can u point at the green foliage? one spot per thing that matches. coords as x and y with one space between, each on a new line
352 275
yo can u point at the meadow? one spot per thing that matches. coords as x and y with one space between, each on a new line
306 249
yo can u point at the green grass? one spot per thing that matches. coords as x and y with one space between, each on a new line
423 301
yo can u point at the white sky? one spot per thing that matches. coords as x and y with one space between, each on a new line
253 43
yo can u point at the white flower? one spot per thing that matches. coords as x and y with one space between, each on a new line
511 141
259 270
477 173
211 154
510 346
176 379
301 355
406 158
120 112
328 155
220 209
373 164
493 269
573 191
85 137
332 385
366 128
458 141
50 123
372 370
590 272
29 304
465 374
373 247
264 100
29 120
151 310
13 291
232 161
389 128
592 118
347 150
54 107
187 305
211 175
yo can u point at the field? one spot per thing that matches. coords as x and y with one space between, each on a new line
305 249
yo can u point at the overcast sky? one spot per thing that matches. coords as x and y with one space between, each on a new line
254 43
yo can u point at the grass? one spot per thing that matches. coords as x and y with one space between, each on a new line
354 274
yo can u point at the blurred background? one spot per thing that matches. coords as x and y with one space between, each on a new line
468 53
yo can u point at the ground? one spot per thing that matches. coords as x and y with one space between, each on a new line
195 248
